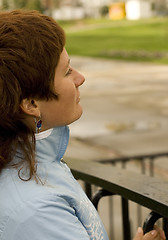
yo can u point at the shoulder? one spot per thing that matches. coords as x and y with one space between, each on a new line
46 216
33 211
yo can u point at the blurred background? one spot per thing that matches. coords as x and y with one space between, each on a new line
130 29
75 9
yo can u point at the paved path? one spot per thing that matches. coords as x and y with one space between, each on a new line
125 108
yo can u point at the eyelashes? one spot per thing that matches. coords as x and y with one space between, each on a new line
69 72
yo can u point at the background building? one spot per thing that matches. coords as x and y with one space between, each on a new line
77 9
137 9
134 9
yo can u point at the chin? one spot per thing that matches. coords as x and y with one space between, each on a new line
76 117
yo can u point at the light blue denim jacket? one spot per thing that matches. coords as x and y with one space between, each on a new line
57 208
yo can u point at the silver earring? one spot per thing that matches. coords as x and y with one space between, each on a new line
38 124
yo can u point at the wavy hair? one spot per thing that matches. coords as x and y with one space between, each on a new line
30 48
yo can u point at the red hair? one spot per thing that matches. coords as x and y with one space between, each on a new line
30 48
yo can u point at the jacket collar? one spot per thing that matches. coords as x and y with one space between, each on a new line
52 144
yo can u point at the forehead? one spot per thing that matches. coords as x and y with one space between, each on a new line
64 59
63 64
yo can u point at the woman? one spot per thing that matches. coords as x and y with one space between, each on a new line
39 97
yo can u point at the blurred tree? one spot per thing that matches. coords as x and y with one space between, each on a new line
20 3
57 3
28 4
48 6
34 5
161 6
104 10
5 4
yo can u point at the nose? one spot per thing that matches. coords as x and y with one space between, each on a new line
79 79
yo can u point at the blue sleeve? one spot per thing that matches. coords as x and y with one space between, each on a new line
48 219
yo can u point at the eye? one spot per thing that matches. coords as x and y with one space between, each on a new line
68 72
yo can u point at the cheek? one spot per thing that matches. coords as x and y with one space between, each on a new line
49 110
69 96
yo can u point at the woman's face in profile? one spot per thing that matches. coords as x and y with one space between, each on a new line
66 109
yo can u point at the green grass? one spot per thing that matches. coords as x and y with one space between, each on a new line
143 40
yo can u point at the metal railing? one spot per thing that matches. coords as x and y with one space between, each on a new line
138 158
146 191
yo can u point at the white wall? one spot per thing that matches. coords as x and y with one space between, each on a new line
95 3
68 13
136 9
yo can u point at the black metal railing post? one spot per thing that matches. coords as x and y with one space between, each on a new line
88 190
165 226
98 195
125 219
150 221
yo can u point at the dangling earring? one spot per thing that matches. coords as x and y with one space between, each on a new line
38 124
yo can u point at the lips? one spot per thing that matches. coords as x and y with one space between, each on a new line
78 96
78 99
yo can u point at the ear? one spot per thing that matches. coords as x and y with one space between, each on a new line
30 107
